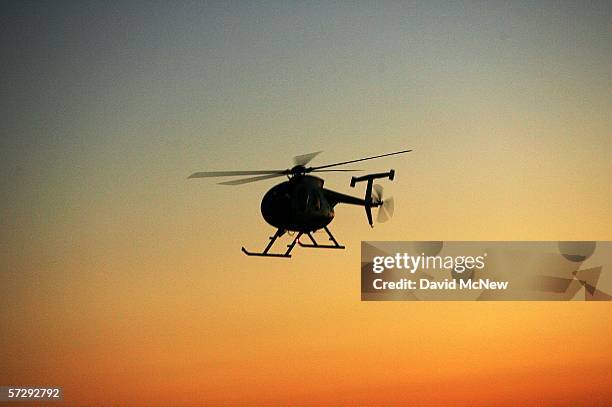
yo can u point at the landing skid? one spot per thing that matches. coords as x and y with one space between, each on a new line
314 244
265 253
295 240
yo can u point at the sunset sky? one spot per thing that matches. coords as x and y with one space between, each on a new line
123 282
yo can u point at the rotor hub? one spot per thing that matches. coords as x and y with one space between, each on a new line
298 170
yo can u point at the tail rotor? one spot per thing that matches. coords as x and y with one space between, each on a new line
385 207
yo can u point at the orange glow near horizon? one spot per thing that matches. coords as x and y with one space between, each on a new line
122 280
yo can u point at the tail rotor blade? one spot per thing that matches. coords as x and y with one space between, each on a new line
385 211
382 215
377 192
389 205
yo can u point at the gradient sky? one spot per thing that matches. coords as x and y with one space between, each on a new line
116 269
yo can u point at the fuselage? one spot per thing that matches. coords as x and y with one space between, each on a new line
299 204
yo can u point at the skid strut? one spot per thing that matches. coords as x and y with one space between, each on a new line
265 253
335 244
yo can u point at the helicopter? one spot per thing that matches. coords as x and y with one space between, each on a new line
301 205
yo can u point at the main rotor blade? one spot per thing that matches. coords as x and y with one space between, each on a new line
252 179
305 158
360 159
207 174
334 170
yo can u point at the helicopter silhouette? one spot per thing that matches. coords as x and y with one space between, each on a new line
302 205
